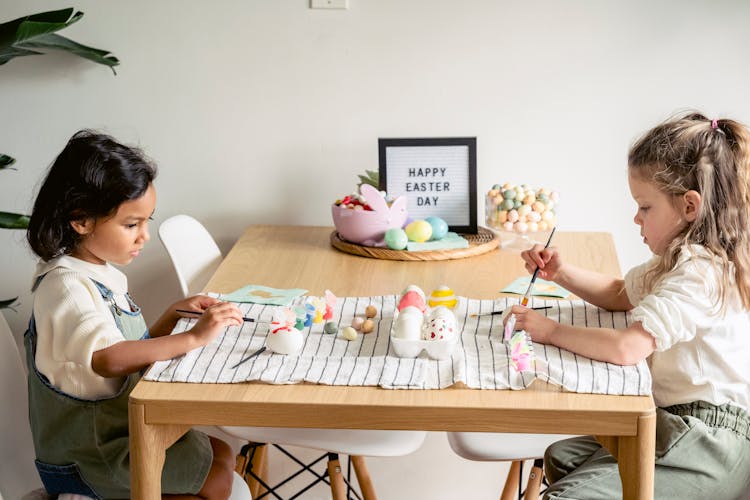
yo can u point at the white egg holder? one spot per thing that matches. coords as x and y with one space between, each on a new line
436 349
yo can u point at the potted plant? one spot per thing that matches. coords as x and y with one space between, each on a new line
33 35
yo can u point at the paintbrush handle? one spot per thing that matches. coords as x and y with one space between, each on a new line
198 313
525 299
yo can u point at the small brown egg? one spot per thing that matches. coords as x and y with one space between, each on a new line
371 311
368 326
357 323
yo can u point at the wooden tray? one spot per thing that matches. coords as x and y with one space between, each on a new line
482 242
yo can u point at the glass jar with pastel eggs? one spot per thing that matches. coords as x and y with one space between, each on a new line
522 215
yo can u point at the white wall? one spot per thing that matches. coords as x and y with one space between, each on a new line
264 111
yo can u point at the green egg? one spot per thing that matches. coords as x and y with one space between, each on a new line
507 204
497 187
517 203
331 328
396 238
509 194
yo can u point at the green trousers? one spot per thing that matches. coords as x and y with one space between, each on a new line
702 452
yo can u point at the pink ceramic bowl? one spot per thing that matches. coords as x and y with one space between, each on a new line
366 227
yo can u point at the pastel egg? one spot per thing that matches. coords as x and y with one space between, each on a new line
371 311
508 226
521 227
368 326
396 238
419 231
509 194
502 216
538 206
507 204
523 210
349 333
330 327
357 322
513 215
439 227
443 296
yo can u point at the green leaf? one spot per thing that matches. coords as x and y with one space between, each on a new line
13 221
8 303
21 36
59 42
6 161
371 178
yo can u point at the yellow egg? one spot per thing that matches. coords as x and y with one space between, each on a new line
419 231
443 296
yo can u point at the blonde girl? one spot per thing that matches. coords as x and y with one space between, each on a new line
689 315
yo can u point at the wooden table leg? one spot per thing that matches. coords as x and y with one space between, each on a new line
635 458
148 445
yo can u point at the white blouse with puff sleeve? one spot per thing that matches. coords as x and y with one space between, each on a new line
702 353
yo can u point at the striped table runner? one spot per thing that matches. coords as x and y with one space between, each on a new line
481 360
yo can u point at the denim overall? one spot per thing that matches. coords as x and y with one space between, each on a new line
82 445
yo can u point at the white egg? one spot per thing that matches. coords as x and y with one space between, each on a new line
285 341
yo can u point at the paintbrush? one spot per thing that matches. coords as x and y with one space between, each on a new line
250 357
198 313
526 295
474 315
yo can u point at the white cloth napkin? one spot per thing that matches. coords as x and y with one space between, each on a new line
480 360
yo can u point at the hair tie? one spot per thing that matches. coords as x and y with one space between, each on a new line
714 124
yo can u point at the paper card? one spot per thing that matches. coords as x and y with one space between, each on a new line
541 288
258 294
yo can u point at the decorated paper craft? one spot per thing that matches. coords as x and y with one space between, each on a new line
521 351
542 288
264 295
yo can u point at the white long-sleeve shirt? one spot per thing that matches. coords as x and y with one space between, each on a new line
73 321
701 352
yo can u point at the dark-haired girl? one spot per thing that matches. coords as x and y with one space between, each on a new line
87 340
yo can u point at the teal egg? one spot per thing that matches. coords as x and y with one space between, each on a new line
439 227
396 238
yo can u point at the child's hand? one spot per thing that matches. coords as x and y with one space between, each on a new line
197 303
539 327
547 259
214 319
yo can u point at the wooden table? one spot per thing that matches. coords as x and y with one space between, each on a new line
301 257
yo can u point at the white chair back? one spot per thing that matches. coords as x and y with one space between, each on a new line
18 475
193 251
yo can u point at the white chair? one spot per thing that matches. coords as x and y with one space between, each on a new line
193 251
195 259
18 474
503 447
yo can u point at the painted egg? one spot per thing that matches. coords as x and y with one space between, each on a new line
440 325
443 296
285 341
414 299
371 311
357 323
331 327
439 227
419 231
368 326
396 238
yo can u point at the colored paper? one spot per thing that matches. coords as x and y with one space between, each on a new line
258 294
542 288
